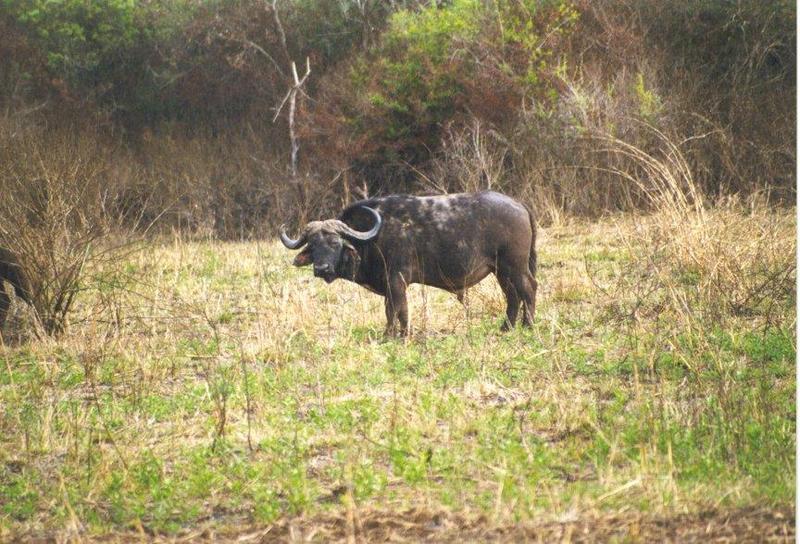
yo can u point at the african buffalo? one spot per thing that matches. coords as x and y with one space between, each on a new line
451 242
11 272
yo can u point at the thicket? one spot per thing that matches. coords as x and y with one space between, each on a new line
528 96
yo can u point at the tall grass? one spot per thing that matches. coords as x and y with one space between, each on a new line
736 255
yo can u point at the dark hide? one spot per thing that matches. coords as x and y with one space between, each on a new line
11 272
451 242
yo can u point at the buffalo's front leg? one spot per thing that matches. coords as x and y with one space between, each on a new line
396 307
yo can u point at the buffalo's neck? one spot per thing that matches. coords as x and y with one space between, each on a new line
371 272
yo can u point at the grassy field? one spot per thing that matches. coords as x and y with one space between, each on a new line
214 391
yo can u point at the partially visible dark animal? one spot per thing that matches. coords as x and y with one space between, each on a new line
11 272
451 242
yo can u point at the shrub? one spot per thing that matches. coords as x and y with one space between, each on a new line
59 215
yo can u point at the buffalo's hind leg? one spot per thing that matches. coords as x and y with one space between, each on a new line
518 284
529 307
526 285
512 301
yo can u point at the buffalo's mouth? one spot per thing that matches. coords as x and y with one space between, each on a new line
327 275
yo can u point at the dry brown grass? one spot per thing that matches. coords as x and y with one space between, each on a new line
736 255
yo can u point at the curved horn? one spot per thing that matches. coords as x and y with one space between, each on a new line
364 236
288 242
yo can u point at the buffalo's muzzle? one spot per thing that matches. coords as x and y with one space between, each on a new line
325 271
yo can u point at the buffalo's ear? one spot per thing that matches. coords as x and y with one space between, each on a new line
303 258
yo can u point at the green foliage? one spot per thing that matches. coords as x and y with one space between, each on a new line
392 82
433 60
82 40
109 52
20 497
531 28
411 85
434 31
649 102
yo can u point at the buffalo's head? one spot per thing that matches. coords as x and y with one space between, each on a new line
329 246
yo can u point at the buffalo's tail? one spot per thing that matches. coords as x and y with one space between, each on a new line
532 255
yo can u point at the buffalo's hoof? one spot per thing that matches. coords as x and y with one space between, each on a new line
394 332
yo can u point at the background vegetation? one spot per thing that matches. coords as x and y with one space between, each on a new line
204 388
403 96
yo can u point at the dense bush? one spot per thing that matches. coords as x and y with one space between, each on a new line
102 53
435 66
407 95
